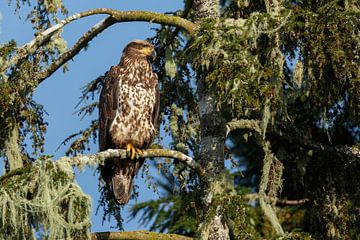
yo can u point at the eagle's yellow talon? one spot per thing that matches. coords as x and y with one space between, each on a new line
132 154
130 148
133 150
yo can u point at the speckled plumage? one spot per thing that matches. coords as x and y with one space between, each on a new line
128 112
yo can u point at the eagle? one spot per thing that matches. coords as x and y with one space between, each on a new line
128 114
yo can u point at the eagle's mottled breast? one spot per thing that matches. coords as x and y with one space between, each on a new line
136 99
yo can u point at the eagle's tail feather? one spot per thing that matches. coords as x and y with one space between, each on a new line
121 179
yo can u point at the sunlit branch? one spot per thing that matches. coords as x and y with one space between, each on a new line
266 203
99 158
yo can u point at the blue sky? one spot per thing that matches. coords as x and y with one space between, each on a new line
60 93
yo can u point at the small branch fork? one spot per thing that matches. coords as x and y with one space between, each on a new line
99 158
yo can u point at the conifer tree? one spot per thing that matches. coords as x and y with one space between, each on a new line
270 86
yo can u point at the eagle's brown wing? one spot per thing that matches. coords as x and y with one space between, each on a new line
108 105
116 173
156 110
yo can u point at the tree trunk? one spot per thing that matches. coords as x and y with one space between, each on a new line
213 132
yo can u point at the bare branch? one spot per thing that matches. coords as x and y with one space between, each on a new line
136 235
98 158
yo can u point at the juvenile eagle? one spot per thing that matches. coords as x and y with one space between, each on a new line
128 113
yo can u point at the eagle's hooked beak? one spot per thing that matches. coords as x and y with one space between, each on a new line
153 55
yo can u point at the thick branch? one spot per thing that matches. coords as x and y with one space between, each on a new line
136 235
98 158
117 16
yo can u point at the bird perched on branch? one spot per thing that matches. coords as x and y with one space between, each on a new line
128 114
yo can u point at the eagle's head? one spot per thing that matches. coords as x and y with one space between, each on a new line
140 49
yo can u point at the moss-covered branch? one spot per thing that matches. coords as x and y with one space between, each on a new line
267 200
98 158
136 235
12 149
250 124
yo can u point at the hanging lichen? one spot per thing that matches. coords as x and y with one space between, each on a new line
45 199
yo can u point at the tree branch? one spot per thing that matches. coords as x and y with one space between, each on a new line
78 46
40 39
265 202
250 124
117 16
99 158
185 13
136 235
279 202
290 133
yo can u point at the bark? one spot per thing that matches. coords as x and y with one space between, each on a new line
213 134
